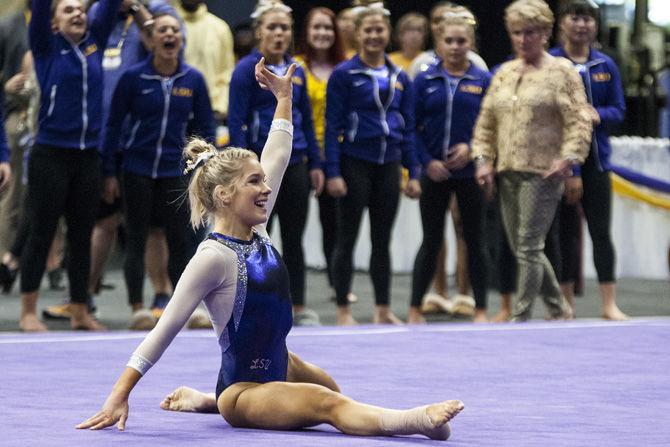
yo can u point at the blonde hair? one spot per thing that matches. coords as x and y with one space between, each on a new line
362 10
534 13
459 15
211 169
265 6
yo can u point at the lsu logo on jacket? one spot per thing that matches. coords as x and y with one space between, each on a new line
474 89
601 77
182 91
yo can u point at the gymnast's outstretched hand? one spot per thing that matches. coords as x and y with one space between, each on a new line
280 86
114 411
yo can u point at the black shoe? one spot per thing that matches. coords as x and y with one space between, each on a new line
56 279
107 286
63 311
102 286
7 278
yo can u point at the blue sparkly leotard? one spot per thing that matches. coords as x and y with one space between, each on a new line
244 287
253 344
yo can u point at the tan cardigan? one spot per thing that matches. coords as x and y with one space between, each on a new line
528 120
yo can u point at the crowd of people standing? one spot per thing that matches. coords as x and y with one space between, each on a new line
119 86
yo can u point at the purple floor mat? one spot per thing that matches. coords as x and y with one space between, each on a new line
538 384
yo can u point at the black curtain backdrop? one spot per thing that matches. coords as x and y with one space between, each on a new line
492 38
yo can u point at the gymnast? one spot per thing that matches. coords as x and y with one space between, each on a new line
243 282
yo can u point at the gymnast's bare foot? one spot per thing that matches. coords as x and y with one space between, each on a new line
189 400
30 323
439 415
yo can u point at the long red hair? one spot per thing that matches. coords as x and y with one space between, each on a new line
335 53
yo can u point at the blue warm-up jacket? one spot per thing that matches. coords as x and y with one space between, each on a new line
443 119
604 91
4 149
362 125
70 77
162 113
251 109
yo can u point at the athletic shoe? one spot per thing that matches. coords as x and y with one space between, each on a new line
463 305
7 278
142 320
58 312
306 318
63 312
199 320
436 304
160 301
55 278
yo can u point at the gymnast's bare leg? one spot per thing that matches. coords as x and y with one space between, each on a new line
314 400
191 400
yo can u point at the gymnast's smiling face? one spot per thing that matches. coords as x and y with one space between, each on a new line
249 197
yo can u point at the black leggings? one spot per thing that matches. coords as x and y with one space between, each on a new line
147 202
376 187
597 206
434 203
61 181
291 209
328 206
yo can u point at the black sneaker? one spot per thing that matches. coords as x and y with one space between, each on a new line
55 277
7 278
63 312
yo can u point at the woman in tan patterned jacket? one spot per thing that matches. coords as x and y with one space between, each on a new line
534 124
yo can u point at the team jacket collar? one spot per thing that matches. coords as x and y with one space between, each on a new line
67 42
258 55
149 72
361 67
436 71
592 60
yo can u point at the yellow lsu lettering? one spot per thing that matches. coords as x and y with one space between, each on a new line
601 77
297 80
92 48
474 89
182 91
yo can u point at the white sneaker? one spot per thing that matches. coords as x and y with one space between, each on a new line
142 320
463 305
199 320
306 318
434 303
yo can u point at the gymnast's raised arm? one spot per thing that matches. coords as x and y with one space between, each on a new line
277 150
207 270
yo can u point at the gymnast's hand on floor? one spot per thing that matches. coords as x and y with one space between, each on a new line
114 411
